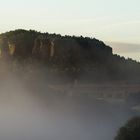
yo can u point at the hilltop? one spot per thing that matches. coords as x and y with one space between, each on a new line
71 55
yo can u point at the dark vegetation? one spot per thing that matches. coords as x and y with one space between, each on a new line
71 56
131 130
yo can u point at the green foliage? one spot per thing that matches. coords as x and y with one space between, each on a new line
131 130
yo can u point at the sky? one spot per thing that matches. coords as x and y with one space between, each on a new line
115 22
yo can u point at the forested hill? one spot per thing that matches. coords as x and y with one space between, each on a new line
23 44
69 54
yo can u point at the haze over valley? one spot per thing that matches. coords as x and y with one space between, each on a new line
63 87
70 70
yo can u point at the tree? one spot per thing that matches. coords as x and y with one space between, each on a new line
131 130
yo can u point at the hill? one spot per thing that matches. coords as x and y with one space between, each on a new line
77 57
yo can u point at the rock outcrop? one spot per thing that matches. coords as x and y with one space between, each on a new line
45 46
66 54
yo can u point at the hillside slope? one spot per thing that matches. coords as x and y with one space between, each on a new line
74 56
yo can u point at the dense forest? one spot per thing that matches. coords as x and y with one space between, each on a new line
70 55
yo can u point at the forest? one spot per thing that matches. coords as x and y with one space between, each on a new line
70 55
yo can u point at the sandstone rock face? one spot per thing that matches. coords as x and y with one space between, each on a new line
12 48
4 49
43 48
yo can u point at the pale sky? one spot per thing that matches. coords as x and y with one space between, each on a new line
107 20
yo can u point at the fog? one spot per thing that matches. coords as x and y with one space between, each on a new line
30 110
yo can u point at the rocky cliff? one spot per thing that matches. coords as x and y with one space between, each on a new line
65 53
30 43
